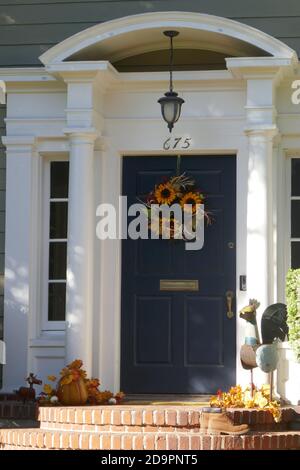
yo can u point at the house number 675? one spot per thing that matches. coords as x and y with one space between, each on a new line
177 142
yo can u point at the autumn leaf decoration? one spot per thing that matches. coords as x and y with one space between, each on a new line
236 397
73 372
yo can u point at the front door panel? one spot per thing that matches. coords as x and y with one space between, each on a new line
180 341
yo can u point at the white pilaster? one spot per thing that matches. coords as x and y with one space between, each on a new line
19 256
81 226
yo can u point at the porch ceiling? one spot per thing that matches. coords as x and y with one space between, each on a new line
138 42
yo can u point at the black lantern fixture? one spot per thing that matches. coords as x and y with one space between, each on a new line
171 103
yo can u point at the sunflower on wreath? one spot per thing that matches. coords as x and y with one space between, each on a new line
165 193
181 191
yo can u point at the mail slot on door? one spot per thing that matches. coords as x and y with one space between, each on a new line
178 285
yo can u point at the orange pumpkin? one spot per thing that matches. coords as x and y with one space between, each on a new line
74 393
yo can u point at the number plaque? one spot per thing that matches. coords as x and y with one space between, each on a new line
173 143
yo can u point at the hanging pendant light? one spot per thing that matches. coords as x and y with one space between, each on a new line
171 103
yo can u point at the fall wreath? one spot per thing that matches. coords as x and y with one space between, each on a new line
181 191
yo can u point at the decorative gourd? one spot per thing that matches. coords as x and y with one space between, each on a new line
267 357
74 393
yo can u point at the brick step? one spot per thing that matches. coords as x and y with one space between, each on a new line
37 439
144 418
18 410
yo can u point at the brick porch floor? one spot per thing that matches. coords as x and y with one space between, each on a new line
144 427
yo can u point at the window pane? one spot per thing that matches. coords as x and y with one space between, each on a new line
57 302
295 216
295 176
57 260
59 179
295 255
58 219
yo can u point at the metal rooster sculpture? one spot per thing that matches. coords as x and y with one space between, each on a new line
273 327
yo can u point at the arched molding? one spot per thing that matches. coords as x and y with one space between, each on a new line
114 39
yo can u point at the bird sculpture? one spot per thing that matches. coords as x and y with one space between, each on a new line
264 355
274 328
274 323
252 341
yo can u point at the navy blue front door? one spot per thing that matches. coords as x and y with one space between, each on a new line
180 341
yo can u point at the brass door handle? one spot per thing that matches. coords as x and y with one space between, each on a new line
229 298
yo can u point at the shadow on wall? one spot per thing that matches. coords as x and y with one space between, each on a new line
16 322
2 211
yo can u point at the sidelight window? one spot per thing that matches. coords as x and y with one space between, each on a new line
57 240
295 213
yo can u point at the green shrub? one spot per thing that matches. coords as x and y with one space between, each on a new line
293 309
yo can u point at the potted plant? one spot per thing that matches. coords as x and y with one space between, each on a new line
288 372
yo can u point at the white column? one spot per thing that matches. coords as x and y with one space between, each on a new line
81 225
261 130
262 77
259 216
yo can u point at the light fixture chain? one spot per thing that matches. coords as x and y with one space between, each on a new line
171 64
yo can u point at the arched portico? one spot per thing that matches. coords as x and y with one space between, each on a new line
110 115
